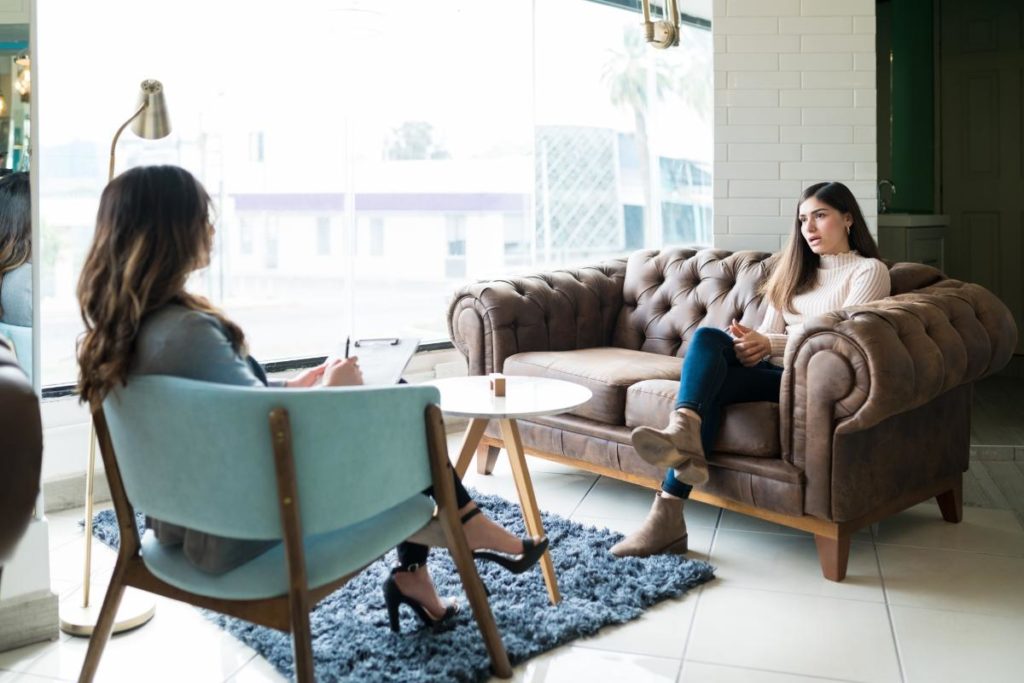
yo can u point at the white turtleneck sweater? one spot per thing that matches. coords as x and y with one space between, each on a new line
846 279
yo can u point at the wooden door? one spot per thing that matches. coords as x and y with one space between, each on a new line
982 77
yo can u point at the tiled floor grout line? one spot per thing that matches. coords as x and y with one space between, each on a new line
788 534
814 677
736 586
888 608
700 592
950 550
227 679
583 497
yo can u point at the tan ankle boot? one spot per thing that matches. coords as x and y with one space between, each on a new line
676 446
693 472
664 531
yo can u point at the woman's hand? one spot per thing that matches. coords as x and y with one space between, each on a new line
306 378
751 347
343 372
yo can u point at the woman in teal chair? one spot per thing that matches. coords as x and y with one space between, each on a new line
153 230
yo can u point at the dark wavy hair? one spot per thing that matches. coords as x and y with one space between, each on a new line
797 268
152 230
15 223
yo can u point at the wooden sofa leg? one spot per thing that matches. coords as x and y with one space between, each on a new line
834 554
486 457
951 503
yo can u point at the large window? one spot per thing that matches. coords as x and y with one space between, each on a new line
367 158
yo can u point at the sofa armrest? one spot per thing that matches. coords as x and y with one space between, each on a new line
558 310
21 451
898 353
851 369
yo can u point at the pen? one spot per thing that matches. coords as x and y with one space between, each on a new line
347 340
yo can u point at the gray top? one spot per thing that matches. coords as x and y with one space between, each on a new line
182 342
16 296
179 341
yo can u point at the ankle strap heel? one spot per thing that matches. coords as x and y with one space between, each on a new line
393 597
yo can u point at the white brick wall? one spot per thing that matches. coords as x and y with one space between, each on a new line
794 105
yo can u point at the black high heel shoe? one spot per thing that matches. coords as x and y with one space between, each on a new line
517 564
393 597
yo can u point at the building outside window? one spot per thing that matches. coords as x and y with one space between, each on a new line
256 147
376 240
245 236
403 196
270 244
455 235
323 235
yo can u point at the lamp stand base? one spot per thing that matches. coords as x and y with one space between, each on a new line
136 609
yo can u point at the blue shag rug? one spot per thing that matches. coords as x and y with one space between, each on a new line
352 641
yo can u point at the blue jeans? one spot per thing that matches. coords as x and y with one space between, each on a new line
713 377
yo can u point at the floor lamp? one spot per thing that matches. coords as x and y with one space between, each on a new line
78 617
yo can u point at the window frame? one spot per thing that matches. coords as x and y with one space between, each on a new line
634 6
257 143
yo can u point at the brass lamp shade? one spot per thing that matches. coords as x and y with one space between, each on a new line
153 122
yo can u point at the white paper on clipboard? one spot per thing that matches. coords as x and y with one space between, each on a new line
382 360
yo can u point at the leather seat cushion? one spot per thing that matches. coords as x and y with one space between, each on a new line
750 429
607 372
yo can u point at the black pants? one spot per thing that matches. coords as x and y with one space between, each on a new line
414 553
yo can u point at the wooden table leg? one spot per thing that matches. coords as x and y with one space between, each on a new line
528 502
469 443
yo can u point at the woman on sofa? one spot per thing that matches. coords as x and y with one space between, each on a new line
153 230
830 262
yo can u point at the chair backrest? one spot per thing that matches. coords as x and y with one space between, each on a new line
200 455
21 337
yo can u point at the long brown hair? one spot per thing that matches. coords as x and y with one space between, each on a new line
797 268
152 230
15 223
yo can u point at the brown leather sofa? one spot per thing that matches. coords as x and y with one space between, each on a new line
21 451
874 414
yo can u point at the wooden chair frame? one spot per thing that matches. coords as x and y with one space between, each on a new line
288 612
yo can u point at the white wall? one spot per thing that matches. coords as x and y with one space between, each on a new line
794 105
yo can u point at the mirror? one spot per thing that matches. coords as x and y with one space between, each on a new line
16 290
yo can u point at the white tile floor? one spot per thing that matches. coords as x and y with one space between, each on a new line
923 601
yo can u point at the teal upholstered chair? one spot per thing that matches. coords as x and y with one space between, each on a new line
335 473
21 337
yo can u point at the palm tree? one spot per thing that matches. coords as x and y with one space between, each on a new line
629 80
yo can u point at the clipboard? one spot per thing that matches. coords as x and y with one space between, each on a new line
382 359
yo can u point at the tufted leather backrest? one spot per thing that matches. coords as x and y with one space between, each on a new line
910 277
668 294
653 301
556 310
